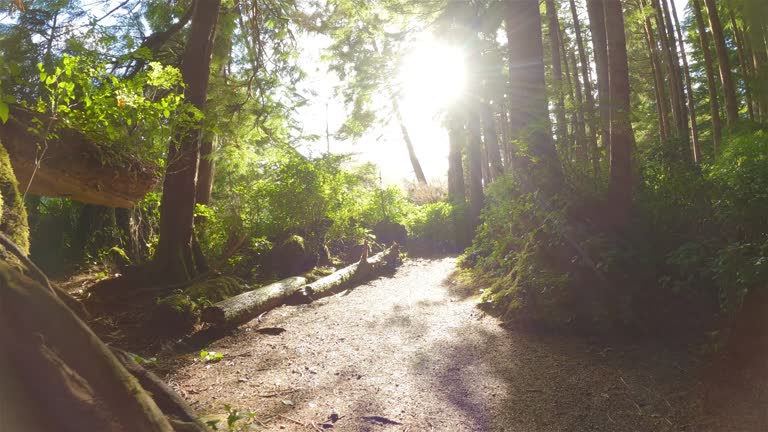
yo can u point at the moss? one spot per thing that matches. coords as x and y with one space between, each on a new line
216 289
13 215
175 314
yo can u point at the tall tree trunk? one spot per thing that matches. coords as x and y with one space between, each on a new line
205 173
744 64
457 141
529 114
758 33
491 140
597 28
506 136
557 72
714 104
675 86
679 74
726 77
409 144
662 103
622 137
174 256
589 97
695 147
577 99
475 168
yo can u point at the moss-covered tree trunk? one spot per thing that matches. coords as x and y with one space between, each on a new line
175 255
13 216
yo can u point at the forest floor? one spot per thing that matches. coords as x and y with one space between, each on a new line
413 352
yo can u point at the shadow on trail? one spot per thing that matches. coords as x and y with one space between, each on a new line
507 381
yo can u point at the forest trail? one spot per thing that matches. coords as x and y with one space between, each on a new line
414 349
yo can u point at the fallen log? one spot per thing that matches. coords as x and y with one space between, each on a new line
356 273
247 306
71 165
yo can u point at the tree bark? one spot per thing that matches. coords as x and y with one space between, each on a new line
529 114
557 73
475 168
675 86
714 104
491 140
662 104
249 305
682 126
744 64
589 111
695 146
726 77
597 28
622 137
174 256
457 141
67 371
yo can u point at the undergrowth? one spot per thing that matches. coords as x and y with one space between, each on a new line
695 249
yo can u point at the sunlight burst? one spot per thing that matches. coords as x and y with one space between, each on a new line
432 76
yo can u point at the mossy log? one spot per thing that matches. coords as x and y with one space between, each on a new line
73 166
247 306
357 273
243 308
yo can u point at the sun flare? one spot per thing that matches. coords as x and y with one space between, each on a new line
432 76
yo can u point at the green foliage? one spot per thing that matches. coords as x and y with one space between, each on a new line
139 115
435 222
276 191
211 356
697 246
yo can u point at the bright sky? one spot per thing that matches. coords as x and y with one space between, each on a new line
426 89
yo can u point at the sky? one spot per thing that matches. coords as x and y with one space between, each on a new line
384 145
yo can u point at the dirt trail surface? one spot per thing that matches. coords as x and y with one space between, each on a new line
413 353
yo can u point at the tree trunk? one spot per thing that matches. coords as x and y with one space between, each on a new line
577 95
622 137
597 28
529 114
475 168
662 103
714 104
758 33
682 126
589 97
409 144
174 257
557 73
695 147
675 86
67 372
491 140
457 140
744 64
726 77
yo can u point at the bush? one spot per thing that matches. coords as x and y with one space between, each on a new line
697 246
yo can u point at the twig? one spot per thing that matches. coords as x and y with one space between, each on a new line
292 419
278 393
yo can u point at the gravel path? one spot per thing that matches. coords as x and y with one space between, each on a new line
413 353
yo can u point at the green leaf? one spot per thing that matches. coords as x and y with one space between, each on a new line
3 112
